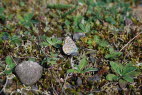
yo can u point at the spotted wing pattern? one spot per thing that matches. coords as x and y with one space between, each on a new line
69 46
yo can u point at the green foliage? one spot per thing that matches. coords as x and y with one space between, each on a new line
123 72
63 6
26 20
15 40
112 77
4 36
76 22
2 16
67 24
52 42
59 6
81 67
113 54
69 12
101 10
81 24
85 27
100 42
100 20
10 65
32 59
22 4
51 59
110 20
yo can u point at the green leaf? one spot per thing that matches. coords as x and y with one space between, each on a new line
82 27
45 60
83 63
111 50
128 69
8 71
103 43
45 44
1 10
113 54
10 65
133 74
112 77
52 62
22 3
70 11
128 78
53 42
90 69
26 20
28 16
2 16
100 41
32 59
15 40
77 68
97 39
71 71
10 62
87 27
117 67
81 1
110 20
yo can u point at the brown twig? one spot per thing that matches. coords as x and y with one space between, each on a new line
130 41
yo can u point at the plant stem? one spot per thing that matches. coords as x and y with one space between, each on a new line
130 41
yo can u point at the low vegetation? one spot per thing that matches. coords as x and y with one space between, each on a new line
110 55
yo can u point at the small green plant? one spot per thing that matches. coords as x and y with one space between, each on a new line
100 42
112 54
2 16
81 67
52 42
3 36
76 22
51 59
70 11
15 40
10 65
85 27
26 20
123 73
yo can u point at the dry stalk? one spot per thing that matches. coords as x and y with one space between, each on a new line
130 41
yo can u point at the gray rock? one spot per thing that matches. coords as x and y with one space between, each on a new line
29 72
77 36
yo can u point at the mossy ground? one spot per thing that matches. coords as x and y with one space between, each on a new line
25 27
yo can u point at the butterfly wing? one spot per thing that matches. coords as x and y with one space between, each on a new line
69 46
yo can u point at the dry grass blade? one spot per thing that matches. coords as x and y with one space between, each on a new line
130 42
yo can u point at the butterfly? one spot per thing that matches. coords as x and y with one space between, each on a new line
69 47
